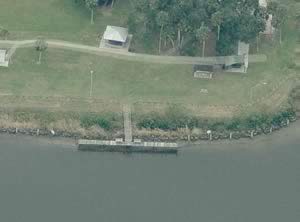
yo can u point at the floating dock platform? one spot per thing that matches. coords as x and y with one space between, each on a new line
127 147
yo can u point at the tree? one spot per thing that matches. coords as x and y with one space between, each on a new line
272 7
250 26
184 17
106 2
112 3
4 33
91 5
279 16
40 46
162 20
202 35
216 20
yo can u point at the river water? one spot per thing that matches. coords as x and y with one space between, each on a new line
47 181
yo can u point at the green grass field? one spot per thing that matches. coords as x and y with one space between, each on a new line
65 74
59 19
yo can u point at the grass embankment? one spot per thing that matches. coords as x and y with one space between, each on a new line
69 124
63 79
175 124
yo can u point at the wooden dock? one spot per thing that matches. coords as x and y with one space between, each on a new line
129 145
127 123
132 147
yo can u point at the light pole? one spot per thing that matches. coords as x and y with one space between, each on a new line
91 86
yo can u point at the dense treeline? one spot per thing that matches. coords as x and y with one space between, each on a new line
92 4
183 24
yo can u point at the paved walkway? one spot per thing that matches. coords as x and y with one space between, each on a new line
180 60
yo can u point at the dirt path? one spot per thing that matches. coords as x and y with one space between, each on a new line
115 53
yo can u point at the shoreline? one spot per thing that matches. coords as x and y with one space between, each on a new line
67 138
48 125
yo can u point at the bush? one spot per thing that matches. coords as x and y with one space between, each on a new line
105 121
172 119
175 118
233 124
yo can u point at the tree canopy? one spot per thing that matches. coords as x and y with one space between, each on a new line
40 45
91 5
231 20
279 13
4 33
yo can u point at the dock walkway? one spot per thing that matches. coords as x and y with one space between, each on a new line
127 123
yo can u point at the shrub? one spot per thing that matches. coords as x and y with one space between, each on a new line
105 121
174 118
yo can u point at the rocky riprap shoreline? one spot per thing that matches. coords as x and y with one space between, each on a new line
175 137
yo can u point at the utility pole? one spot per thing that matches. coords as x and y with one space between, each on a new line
91 86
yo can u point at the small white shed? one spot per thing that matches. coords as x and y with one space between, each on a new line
240 62
116 36
3 61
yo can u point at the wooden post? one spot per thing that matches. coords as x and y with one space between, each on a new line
280 36
209 132
188 133
257 44
203 48
40 57
159 45
91 86
92 16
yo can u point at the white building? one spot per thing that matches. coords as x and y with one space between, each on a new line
3 61
238 63
115 36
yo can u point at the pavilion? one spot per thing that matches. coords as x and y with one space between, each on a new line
3 61
115 36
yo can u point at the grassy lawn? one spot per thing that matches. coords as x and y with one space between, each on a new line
64 75
59 19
